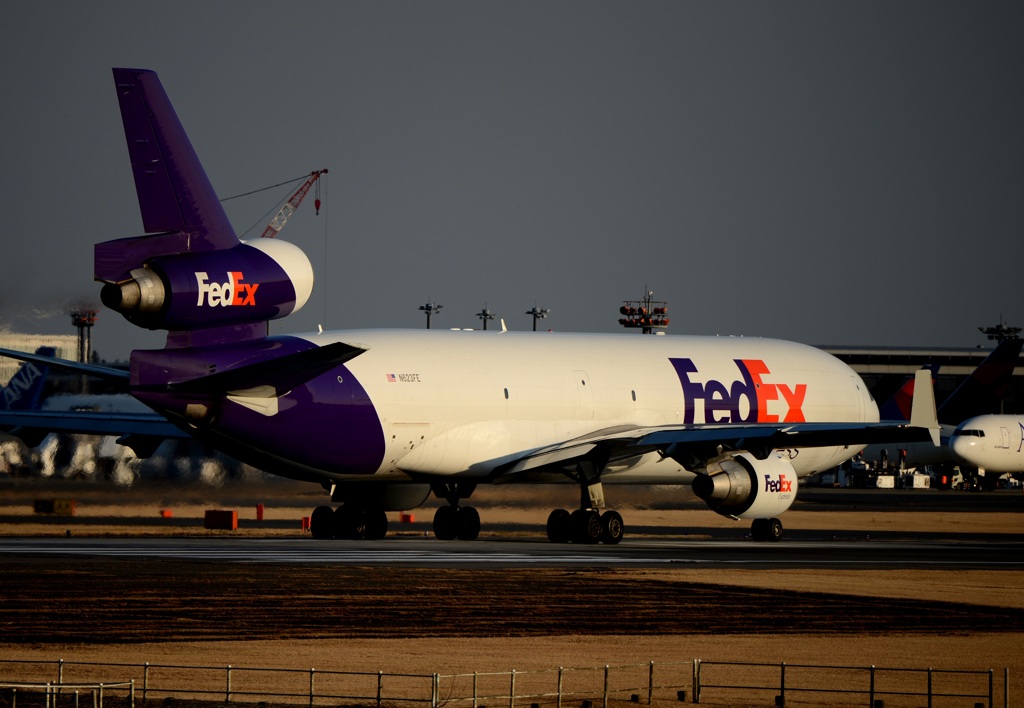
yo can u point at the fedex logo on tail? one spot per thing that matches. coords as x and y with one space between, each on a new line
233 293
751 398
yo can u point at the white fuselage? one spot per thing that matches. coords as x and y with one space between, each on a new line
462 403
991 442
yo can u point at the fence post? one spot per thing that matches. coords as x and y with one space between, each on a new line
871 685
696 681
434 691
782 683
650 684
929 687
60 671
101 695
145 681
380 686
475 693
604 703
560 672
512 690
131 688
227 694
76 699
312 689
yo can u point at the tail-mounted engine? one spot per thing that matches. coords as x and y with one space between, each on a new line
745 487
252 282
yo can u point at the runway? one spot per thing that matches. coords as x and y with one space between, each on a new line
942 553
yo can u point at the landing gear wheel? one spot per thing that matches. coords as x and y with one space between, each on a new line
446 523
586 526
376 526
468 519
757 530
321 522
347 522
559 526
766 530
612 529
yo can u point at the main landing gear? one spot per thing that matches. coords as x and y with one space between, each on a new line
766 530
587 524
454 521
348 522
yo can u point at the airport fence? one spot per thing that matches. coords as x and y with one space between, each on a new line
65 684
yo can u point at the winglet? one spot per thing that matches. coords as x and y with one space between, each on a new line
922 409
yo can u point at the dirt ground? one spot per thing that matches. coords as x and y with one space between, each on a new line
459 620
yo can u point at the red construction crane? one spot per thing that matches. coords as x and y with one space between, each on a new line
278 222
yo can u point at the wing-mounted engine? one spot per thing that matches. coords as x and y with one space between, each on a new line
745 487
251 282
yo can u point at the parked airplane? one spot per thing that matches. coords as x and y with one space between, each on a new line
970 433
994 443
382 418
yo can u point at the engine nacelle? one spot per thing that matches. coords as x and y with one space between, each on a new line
749 488
252 282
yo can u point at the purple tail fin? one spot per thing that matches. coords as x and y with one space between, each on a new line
173 189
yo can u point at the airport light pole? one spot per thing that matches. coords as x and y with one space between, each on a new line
430 309
538 314
1001 332
485 315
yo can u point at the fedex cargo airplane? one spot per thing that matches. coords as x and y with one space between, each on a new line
383 418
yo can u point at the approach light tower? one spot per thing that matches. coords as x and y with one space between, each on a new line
84 320
538 314
1001 332
430 309
485 315
646 315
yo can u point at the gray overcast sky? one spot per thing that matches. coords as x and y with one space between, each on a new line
833 173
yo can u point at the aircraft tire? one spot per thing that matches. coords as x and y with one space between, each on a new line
321 522
559 526
376 526
773 530
445 523
759 530
586 525
612 529
468 522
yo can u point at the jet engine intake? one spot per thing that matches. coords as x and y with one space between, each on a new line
748 488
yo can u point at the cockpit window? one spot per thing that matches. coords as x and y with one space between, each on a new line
972 432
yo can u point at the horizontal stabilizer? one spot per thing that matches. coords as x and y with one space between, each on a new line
100 372
92 423
273 377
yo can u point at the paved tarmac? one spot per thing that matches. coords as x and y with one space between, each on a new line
934 553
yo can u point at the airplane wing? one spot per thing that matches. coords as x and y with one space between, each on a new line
138 430
687 443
